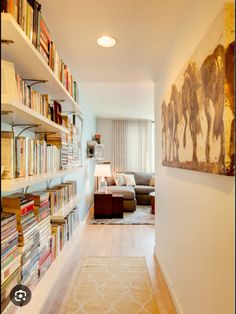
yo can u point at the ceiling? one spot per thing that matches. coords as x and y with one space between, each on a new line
119 100
144 30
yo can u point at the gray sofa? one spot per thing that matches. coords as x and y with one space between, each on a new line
133 195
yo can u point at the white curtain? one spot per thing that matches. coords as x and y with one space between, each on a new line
132 145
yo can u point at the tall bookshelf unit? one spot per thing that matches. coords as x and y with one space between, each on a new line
30 64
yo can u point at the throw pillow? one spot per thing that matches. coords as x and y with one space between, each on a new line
119 179
129 179
110 180
152 181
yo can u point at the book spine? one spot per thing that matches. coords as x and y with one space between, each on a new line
21 157
8 155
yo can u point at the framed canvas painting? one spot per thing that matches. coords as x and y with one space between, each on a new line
198 110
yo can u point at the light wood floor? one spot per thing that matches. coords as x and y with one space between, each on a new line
111 240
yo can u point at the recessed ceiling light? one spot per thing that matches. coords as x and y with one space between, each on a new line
106 41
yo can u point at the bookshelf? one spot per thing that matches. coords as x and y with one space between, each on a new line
53 237
21 114
9 185
30 64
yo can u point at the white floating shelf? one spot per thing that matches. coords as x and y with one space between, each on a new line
30 64
63 212
8 185
20 114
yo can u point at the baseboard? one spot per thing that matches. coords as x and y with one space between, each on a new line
168 282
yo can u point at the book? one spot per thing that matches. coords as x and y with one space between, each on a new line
7 154
21 156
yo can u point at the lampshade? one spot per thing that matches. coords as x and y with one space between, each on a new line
102 170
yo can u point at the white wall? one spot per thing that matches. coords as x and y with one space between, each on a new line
85 176
195 210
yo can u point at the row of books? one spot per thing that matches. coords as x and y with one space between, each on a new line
63 228
31 237
32 98
22 156
61 195
41 103
28 15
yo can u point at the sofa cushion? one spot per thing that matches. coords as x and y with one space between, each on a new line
110 180
143 178
119 179
143 189
127 191
129 179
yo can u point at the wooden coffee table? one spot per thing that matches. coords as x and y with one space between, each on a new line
152 196
107 205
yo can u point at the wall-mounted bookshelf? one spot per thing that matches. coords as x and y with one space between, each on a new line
30 64
20 114
9 185
57 148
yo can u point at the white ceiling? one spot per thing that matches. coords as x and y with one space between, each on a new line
144 30
119 100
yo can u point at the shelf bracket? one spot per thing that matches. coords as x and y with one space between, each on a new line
7 41
26 189
29 126
35 81
48 183
62 179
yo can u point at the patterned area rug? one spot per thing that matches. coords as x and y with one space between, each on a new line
141 216
113 285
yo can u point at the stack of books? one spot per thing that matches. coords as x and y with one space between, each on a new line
10 258
28 15
28 235
60 140
42 212
70 147
75 145
73 141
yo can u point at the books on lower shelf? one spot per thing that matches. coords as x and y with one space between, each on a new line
10 258
22 156
31 238
27 14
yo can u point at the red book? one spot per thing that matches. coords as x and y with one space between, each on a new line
44 29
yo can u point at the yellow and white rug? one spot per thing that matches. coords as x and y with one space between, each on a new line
113 285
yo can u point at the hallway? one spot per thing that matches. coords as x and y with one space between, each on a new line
110 240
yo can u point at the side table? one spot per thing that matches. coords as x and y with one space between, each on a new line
117 206
102 204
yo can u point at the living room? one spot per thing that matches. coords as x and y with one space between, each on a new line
117 161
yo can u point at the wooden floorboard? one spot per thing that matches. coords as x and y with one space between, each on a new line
111 240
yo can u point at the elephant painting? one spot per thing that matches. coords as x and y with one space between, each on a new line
198 119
